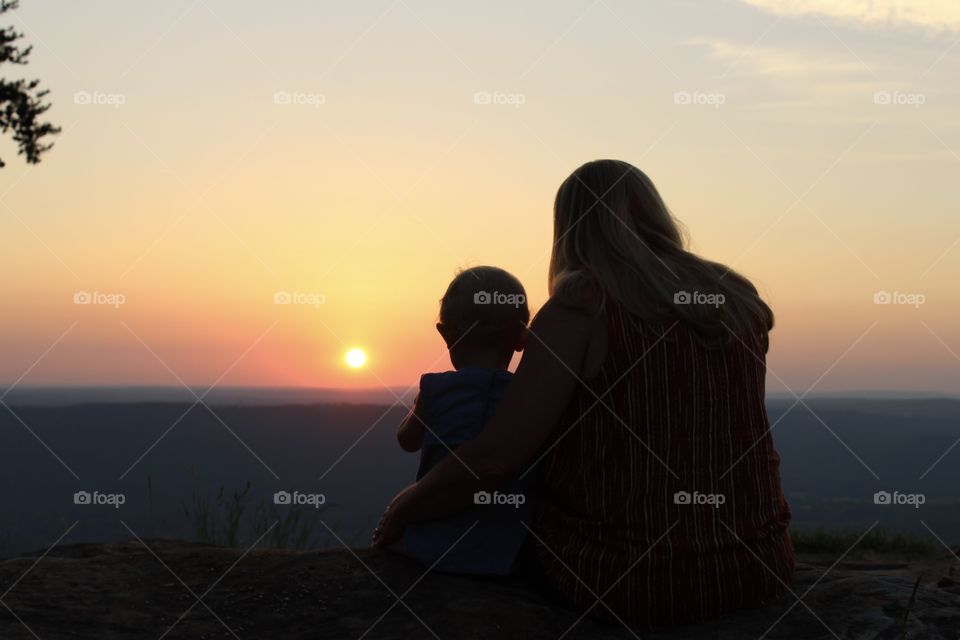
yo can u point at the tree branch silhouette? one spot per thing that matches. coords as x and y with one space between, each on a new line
22 101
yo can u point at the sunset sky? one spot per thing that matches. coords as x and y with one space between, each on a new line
218 153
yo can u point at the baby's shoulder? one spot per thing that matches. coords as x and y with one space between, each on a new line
467 381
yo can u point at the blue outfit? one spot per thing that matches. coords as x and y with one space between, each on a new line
455 406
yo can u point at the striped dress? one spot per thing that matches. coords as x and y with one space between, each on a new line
663 498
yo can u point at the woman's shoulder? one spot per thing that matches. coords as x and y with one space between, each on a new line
560 323
582 307
579 294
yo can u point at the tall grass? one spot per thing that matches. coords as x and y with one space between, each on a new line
232 519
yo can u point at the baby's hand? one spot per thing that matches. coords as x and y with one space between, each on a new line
410 434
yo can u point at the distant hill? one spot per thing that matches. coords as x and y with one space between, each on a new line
239 396
837 453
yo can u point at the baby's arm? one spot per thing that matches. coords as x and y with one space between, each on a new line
410 434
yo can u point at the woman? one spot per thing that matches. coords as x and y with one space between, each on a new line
640 395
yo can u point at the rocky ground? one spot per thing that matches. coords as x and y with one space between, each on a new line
184 590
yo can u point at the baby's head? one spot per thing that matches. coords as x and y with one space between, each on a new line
483 318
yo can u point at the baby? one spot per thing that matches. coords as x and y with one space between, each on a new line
483 320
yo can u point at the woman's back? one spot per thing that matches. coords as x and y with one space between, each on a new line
662 492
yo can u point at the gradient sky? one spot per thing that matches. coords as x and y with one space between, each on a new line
817 154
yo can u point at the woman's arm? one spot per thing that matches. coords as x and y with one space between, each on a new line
525 417
410 433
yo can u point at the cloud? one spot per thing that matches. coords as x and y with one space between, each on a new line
778 62
781 80
935 15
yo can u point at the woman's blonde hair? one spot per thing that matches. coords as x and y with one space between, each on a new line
615 238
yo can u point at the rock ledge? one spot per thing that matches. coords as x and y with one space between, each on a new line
127 590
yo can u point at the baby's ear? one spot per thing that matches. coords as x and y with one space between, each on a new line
442 330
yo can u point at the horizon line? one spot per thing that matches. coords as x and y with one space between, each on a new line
9 388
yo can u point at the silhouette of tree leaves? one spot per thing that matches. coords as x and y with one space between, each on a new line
22 101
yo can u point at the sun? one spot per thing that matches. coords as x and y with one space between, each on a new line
355 358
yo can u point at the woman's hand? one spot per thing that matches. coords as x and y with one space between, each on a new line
390 527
